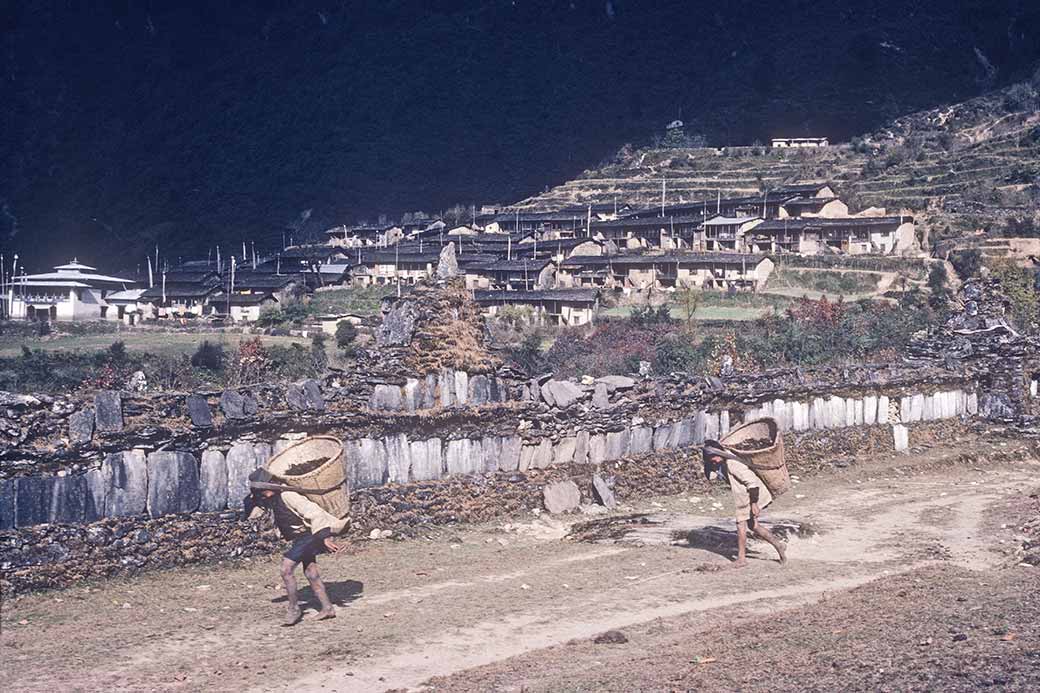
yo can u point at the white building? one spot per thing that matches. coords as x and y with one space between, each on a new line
71 292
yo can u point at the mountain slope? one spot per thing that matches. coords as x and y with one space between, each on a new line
191 123
960 167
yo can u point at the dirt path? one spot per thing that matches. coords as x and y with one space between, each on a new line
497 595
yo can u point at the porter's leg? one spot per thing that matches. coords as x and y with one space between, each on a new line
741 544
314 577
294 614
763 533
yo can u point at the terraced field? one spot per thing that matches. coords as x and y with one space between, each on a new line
967 166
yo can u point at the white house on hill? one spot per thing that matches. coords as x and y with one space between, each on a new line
73 291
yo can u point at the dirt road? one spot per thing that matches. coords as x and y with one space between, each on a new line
515 606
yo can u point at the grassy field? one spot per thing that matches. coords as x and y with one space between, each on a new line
164 343
362 300
825 281
721 306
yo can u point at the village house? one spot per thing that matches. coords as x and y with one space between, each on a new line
181 293
242 307
567 307
665 233
389 267
363 235
788 142
548 224
725 234
73 291
887 235
719 271
510 275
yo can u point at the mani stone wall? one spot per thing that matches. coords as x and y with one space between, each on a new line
153 484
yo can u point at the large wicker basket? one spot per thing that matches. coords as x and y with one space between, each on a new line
768 462
325 485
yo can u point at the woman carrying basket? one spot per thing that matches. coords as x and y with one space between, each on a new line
308 527
750 496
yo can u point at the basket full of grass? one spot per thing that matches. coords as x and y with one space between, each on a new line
760 445
314 467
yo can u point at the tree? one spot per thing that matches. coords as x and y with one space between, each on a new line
689 299
346 333
938 286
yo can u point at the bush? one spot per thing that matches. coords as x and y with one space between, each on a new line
939 291
967 263
210 356
346 333
1020 286
319 357
117 352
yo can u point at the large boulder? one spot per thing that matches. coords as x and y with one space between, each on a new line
238 405
447 264
617 382
108 412
398 325
198 410
173 483
305 395
561 497
565 393
69 499
81 426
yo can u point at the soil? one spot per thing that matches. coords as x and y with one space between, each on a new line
301 468
752 444
903 574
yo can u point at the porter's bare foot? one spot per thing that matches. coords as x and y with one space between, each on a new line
324 614
781 550
738 563
293 617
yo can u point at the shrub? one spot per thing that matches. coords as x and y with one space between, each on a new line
1020 286
290 362
249 363
346 333
319 357
209 355
967 263
939 291
117 352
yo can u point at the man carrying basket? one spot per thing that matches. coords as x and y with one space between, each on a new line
750 496
307 526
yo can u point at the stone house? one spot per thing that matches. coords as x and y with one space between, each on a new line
887 235
568 307
522 274
181 293
737 271
664 233
723 234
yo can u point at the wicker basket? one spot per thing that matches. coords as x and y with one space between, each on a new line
326 485
768 463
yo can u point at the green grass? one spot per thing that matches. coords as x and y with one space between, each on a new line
717 305
161 343
361 300
824 281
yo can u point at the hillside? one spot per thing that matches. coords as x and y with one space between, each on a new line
960 167
192 123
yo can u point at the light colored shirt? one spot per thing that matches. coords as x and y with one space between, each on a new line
309 515
741 481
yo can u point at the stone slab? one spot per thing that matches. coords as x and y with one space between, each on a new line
108 412
510 459
126 476
33 504
8 495
241 461
581 447
173 483
604 494
213 481
561 497
68 499
198 411
81 426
